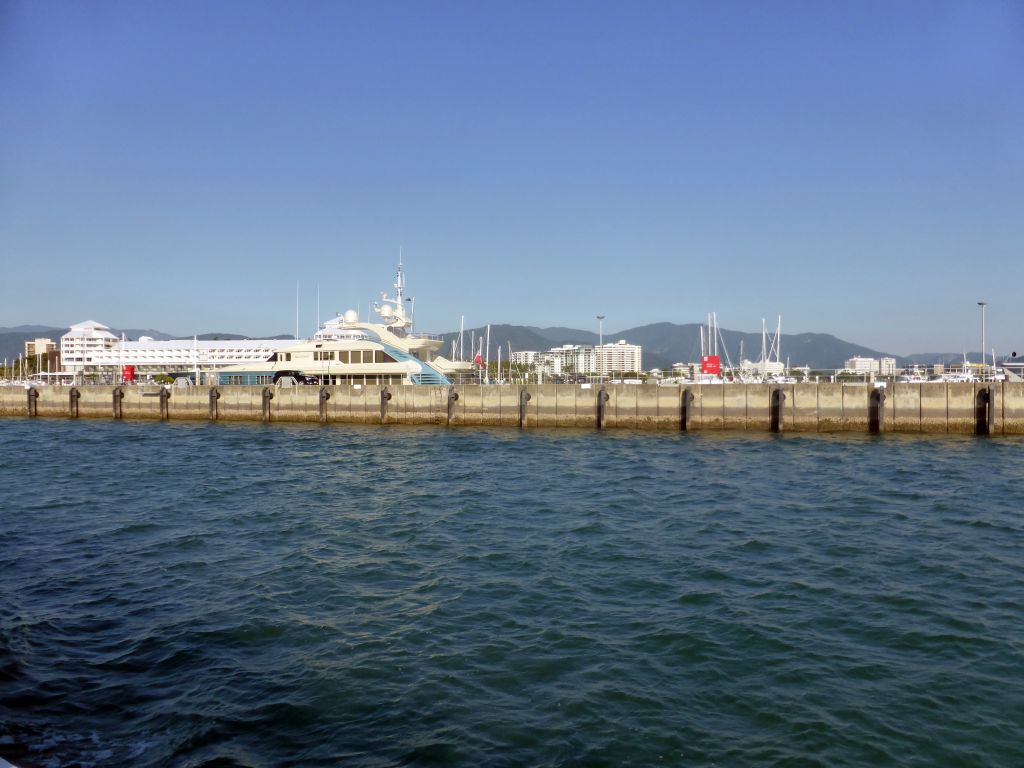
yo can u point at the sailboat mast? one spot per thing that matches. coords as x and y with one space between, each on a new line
764 350
778 341
487 357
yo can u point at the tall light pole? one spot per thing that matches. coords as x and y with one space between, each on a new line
982 304
600 349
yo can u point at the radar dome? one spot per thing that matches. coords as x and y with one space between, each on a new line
385 311
351 316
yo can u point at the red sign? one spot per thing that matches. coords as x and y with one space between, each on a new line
711 364
128 373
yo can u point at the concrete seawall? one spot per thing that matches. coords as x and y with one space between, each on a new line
981 408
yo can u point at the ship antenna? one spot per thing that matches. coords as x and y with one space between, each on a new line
399 280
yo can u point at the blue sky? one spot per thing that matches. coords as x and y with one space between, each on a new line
856 167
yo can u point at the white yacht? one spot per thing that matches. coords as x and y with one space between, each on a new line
347 351
912 376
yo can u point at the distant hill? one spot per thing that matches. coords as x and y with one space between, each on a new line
560 335
12 340
133 334
219 336
668 343
521 338
27 329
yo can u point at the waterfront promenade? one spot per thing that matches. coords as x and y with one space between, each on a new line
964 408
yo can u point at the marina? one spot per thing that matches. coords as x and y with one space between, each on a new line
687 429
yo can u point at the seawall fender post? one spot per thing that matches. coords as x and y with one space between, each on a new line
118 396
524 398
73 396
214 397
165 396
453 397
778 397
983 412
992 408
266 396
322 402
685 410
602 402
385 396
876 411
32 403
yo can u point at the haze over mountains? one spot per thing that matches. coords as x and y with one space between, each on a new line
663 343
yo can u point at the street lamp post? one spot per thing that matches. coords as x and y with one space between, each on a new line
600 349
982 304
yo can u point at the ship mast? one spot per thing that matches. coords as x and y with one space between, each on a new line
393 310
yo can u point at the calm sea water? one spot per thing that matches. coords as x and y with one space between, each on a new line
242 595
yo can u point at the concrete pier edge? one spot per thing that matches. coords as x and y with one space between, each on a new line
982 408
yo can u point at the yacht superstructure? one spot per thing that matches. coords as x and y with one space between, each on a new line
346 350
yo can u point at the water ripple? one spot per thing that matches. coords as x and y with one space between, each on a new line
244 595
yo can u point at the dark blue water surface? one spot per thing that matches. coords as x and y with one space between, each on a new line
229 595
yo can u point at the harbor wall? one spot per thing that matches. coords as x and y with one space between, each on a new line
962 408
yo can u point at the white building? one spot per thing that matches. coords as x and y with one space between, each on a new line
524 358
82 343
885 367
620 358
149 356
90 347
686 370
576 359
585 359
762 368
861 365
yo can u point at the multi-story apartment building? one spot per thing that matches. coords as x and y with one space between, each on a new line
885 366
44 354
585 359
619 358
